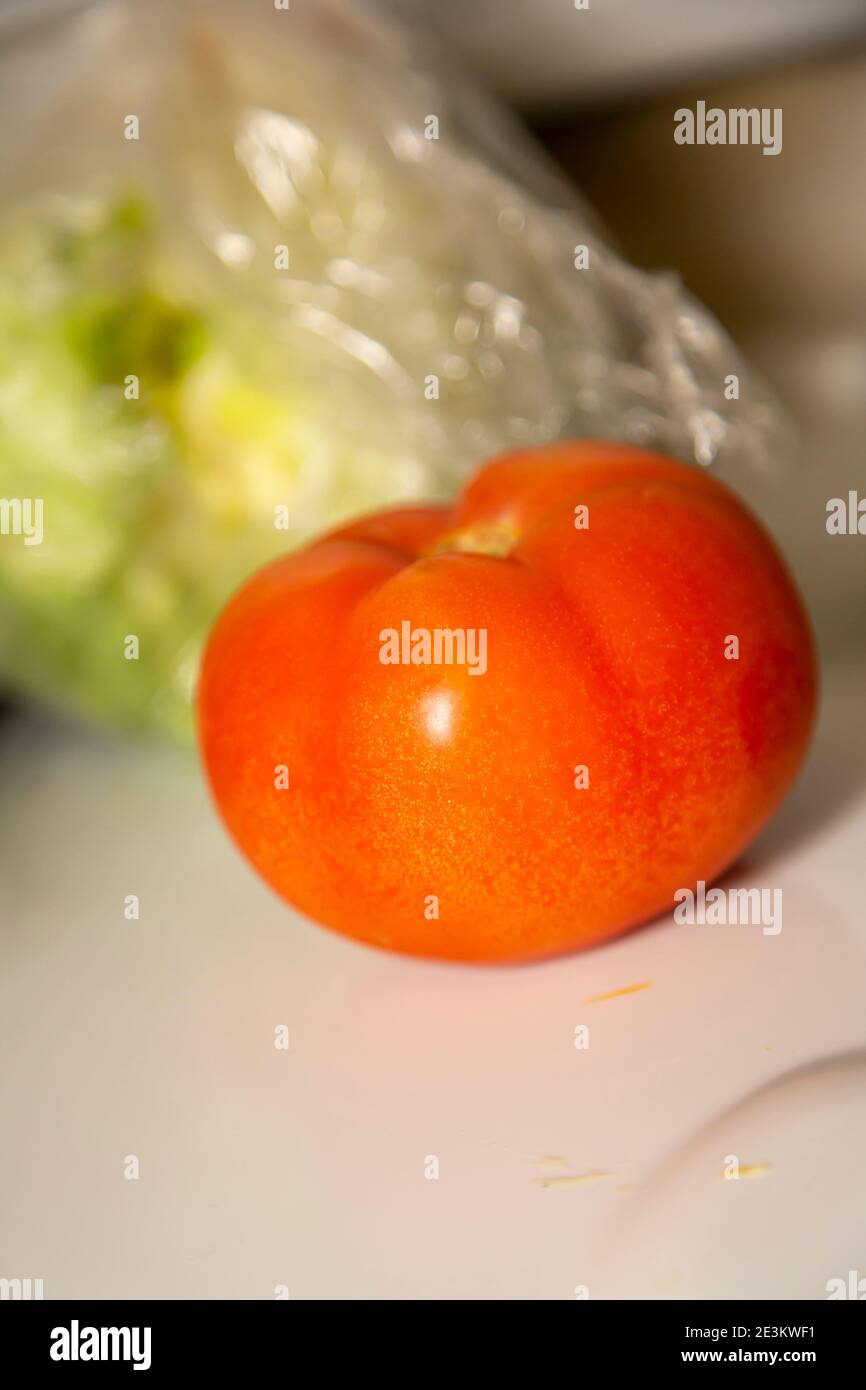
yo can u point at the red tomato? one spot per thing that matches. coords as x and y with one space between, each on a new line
518 726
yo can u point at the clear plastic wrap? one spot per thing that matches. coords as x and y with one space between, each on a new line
261 263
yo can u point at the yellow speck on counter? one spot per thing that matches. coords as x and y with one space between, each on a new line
748 1170
551 1161
618 993
571 1180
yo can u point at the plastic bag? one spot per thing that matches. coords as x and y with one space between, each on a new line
262 269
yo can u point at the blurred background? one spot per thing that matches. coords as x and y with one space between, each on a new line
200 249
149 264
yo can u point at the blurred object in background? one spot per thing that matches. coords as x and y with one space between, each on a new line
261 270
556 55
774 246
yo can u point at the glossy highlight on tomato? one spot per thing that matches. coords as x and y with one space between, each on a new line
519 725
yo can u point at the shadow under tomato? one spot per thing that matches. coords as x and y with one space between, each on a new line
834 777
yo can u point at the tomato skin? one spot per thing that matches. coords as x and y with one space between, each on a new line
605 650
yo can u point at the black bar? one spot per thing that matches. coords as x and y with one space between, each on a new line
218 1338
